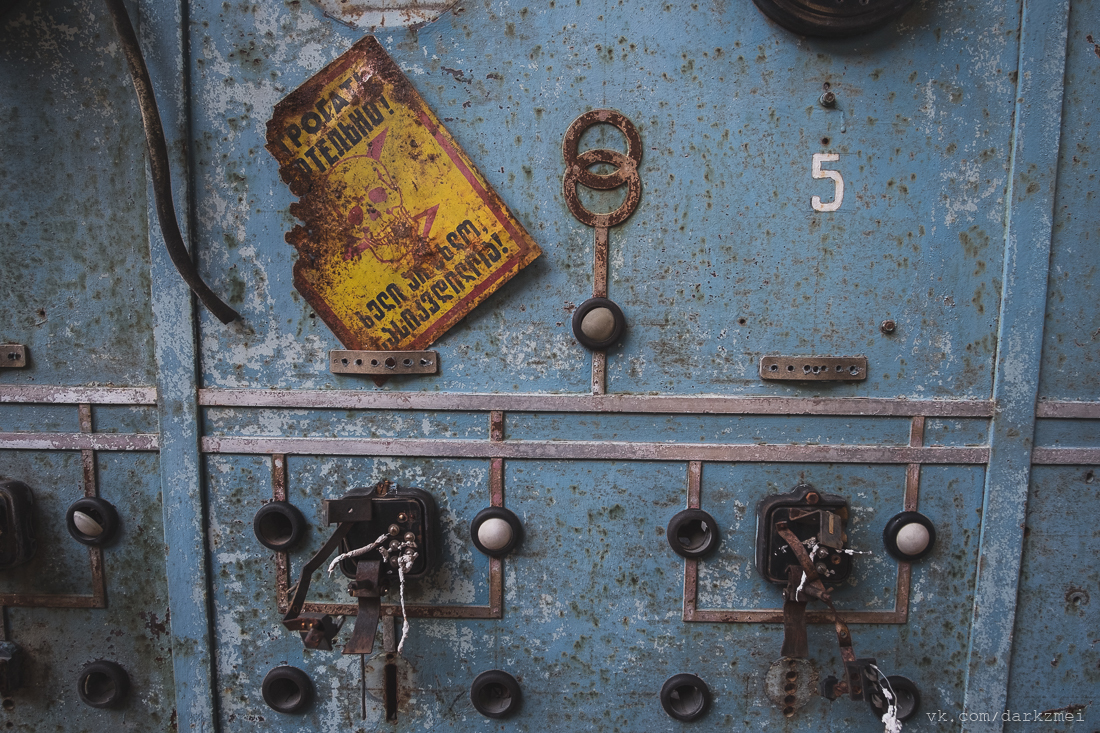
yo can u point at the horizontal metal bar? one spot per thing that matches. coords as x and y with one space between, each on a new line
1087 410
79 441
665 404
51 600
595 450
76 395
352 609
775 616
1066 456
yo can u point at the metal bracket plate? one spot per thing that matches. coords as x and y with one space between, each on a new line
814 368
383 362
13 356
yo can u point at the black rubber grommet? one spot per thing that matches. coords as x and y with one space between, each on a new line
587 307
495 694
832 19
99 511
685 697
908 698
496 512
287 690
103 684
278 525
894 526
692 533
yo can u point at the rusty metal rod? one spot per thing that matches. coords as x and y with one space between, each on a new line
158 166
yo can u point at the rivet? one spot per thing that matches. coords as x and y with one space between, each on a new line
828 99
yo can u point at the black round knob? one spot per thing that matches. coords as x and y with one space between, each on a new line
598 323
685 697
92 521
909 536
496 531
692 533
103 684
278 525
287 690
905 692
495 694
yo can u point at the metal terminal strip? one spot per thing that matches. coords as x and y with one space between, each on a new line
383 362
814 368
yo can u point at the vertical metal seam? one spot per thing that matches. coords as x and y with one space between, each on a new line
1035 140
163 35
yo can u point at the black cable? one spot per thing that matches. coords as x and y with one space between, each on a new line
158 165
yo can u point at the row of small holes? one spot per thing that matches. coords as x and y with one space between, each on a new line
390 362
806 368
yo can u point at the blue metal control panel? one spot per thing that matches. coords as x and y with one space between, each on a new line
789 416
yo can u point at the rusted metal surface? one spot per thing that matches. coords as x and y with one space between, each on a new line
35 394
595 450
98 598
814 368
13 356
493 610
382 15
78 441
383 362
1066 456
618 403
1064 410
401 235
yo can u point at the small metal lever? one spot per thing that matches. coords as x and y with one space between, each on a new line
366 588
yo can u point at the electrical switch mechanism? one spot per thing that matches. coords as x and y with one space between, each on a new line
802 544
17 544
386 534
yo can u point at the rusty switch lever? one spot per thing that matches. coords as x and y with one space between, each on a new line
367 589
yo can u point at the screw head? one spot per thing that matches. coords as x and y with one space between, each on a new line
888 326
828 99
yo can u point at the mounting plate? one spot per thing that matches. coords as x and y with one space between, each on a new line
814 368
383 362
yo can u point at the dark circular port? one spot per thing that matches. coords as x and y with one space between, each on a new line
685 697
278 525
91 521
832 19
598 323
908 697
287 690
692 533
909 536
103 684
495 694
496 531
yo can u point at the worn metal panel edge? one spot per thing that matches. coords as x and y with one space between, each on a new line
1029 220
164 44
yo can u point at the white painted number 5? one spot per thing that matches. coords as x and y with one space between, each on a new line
838 198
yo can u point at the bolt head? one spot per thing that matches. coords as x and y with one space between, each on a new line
888 326
828 99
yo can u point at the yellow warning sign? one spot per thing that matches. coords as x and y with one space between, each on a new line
401 236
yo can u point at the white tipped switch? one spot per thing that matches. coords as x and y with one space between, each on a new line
909 536
87 525
91 521
598 324
495 531
495 534
913 539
